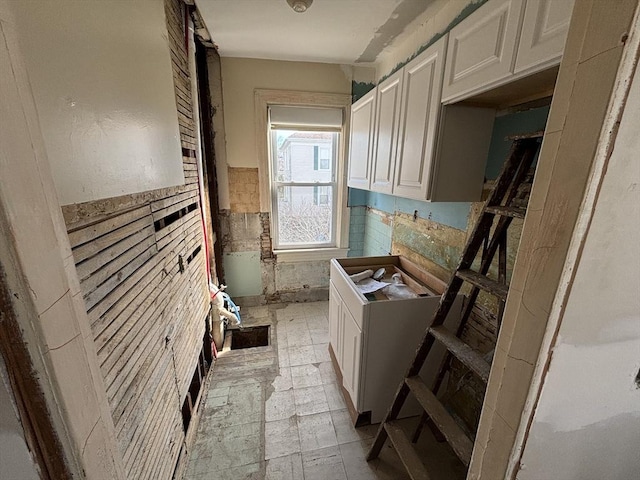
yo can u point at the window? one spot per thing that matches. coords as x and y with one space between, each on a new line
321 158
304 146
321 195
283 114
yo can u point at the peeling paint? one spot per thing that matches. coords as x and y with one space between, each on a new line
359 89
439 243
452 214
464 13
402 15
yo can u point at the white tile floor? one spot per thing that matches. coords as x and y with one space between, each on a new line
276 412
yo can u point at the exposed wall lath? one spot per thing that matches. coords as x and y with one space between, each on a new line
142 271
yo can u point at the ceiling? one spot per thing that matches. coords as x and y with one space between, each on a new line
330 31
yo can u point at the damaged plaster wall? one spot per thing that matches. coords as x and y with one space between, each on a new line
587 420
251 270
438 18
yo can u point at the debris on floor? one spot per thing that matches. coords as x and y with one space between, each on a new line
276 411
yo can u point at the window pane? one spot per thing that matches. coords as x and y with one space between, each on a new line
304 156
305 215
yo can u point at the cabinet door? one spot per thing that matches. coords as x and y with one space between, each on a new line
386 132
481 50
418 122
351 352
335 304
544 31
361 141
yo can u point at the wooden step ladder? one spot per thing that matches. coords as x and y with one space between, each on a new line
505 205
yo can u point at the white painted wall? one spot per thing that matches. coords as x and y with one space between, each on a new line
15 458
101 78
587 422
240 78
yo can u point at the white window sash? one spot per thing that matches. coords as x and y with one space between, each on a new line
274 184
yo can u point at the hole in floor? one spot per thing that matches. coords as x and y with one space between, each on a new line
250 337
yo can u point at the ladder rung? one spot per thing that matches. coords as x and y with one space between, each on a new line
500 290
513 212
407 454
458 440
463 352
524 136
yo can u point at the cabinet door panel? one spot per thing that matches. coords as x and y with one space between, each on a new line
334 320
419 117
544 31
482 48
351 352
361 141
386 132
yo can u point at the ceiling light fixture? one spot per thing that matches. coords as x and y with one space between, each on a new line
300 6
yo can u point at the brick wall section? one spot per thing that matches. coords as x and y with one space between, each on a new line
266 251
244 192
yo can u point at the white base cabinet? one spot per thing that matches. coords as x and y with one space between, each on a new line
335 304
351 350
374 341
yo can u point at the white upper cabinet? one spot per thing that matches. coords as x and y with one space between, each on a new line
482 48
361 141
544 32
412 138
389 94
421 93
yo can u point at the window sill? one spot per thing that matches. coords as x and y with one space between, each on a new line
309 254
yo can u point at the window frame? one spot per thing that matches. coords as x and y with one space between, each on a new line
331 183
317 194
320 167
262 100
